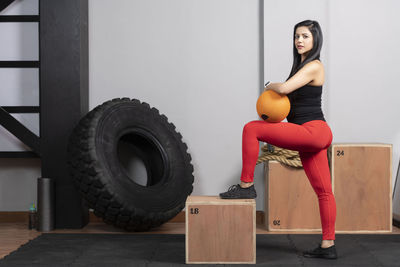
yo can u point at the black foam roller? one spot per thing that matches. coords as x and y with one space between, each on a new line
45 212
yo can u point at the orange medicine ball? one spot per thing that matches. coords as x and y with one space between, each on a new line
273 107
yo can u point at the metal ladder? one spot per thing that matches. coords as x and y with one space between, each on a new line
6 119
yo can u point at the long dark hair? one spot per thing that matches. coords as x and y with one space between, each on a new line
316 32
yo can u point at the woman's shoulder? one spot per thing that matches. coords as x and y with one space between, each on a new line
314 66
317 68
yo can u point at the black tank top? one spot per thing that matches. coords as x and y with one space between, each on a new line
305 104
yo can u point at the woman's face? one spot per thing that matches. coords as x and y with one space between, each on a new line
303 40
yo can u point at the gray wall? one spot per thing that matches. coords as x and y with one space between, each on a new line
201 63
197 61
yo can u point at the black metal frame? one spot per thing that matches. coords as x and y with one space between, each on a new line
8 121
19 18
63 96
20 131
19 64
18 154
21 109
5 3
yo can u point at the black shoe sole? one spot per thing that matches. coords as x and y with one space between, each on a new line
237 197
321 257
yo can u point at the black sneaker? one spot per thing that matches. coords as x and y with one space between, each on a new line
237 192
319 252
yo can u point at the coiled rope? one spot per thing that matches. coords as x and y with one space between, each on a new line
285 156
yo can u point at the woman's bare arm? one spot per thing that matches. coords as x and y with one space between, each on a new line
304 76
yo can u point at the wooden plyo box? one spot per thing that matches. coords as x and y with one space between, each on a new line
362 175
290 201
220 231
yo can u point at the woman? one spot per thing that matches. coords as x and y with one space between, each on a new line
306 131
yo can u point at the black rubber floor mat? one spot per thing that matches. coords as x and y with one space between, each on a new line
169 250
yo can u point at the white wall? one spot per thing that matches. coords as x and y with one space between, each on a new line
197 61
360 52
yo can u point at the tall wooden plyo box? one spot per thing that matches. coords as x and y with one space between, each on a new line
290 201
362 175
220 231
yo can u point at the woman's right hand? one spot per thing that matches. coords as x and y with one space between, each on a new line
266 85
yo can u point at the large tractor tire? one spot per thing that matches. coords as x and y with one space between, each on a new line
95 152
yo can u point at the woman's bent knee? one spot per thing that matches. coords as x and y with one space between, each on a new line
250 127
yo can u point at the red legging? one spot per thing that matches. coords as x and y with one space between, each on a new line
311 139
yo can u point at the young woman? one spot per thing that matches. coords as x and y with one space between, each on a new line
306 131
